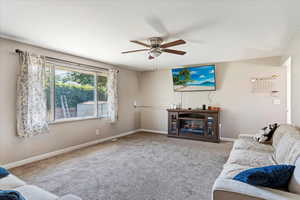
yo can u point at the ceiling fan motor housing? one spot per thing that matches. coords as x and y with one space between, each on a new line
155 42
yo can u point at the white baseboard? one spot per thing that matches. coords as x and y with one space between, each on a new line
226 139
154 131
65 150
80 146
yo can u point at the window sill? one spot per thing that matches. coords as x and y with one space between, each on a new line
70 120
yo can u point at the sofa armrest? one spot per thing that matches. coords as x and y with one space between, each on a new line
69 197
250 192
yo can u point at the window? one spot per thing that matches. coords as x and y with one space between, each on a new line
74 93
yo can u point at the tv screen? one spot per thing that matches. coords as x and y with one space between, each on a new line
200 78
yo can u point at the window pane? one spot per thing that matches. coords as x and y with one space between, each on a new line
102 96
74 94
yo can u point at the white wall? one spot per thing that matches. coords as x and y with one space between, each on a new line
63 135
294 51
242 111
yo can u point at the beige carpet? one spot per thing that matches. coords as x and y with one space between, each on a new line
142 166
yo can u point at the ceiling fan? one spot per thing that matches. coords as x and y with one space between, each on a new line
155 48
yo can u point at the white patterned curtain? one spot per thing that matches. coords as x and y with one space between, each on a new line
31 96
112 90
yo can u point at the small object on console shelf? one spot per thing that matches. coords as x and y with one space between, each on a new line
214 108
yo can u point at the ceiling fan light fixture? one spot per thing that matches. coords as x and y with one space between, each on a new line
155 53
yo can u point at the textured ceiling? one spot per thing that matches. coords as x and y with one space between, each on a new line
215 30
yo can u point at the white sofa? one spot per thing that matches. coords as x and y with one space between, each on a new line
247 153
30 192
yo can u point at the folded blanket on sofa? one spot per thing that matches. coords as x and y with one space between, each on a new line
10 195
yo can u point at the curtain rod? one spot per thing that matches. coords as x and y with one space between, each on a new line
66 61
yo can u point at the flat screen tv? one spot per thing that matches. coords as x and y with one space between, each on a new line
200 78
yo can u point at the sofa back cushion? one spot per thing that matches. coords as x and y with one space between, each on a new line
286 143
288 149
282 130
283 153
294 184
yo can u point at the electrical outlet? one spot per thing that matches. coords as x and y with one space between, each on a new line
276 101
97 131
135 104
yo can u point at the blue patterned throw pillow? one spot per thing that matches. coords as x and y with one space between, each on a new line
274 176
3 172
10 195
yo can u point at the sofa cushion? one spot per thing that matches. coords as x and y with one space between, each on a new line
246 144
231 170
10 182
69 197
283 129
286 149
246 191
32 192
250 158
273 176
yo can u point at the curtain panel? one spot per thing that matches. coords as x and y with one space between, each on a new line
112 90
31 96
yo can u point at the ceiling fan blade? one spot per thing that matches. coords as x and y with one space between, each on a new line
135 51
158 26
171 44
150 57
140 43
174 51
195 27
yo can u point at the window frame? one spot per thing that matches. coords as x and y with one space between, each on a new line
69 67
